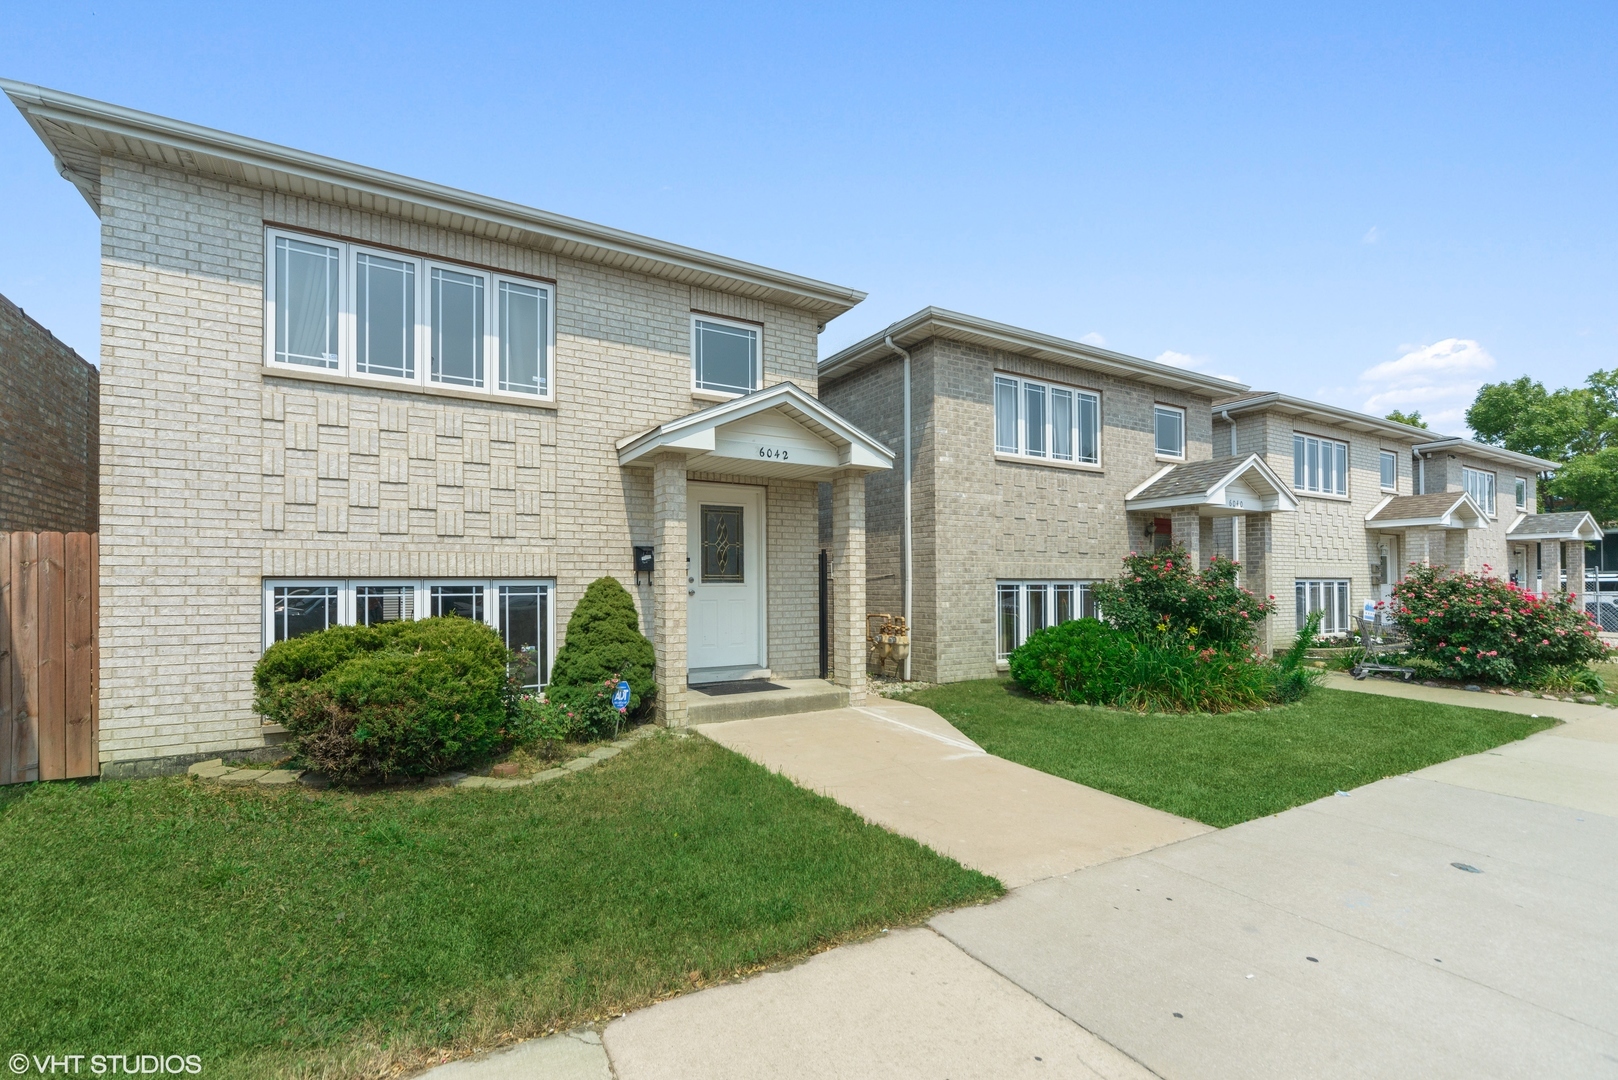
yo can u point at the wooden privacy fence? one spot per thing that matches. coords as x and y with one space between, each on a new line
49 659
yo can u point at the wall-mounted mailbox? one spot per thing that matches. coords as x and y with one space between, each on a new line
643 561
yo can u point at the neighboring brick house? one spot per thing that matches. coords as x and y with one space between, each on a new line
48 437
1029 456
335 395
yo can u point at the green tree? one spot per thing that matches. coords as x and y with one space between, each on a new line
1576 426
1413 418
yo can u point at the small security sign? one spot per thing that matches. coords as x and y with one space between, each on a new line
620 696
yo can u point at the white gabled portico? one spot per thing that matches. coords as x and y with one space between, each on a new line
1187 494
716 535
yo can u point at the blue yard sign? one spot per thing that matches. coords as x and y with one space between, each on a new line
620 697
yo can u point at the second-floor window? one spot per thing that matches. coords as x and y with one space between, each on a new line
724 356
1389 462
1169 429
1042 420
348 309
1319 465
1522 493
1479 485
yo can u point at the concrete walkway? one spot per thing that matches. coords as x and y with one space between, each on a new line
907 769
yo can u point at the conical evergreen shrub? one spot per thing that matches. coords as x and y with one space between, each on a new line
603 640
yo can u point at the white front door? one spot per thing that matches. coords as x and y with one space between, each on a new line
1387 557
725 572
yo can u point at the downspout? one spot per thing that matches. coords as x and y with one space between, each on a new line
905 561
1224 414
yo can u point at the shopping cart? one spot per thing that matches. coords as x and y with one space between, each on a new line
1381 641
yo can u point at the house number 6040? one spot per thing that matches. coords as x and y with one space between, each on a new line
773 453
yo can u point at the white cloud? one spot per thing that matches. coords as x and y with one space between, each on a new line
1093 338
1191 363
1440 380
1371 237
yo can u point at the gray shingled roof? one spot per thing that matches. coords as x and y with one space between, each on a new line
1566 523
1192 478
1415 507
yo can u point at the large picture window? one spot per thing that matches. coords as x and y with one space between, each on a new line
1479 485
1021 607
365 313
1046 421
1330 598
1319 465
520 611
724 356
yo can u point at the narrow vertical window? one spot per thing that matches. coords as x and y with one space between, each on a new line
1006 618
1061 424
306 303
725 357
1170 431
1340 468
1038 610
1005 415
1521 493
524 336
525 629
1064 605
1299 480
1301 607
457 328
384 317
1034 419
1390 470
1312 458
1087 602
1089 429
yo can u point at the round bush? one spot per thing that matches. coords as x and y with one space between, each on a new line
604 643
383 702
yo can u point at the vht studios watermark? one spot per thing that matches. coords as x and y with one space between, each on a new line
106 1064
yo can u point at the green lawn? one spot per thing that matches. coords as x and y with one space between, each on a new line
284 932
1223 769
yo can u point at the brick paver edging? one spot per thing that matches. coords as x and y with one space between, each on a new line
217 771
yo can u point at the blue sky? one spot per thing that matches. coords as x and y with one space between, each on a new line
1379 208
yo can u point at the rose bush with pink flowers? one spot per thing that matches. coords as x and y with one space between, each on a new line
1165 589
1475 626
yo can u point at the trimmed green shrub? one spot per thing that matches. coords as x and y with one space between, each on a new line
1165 589
396 700
1477 627
604 642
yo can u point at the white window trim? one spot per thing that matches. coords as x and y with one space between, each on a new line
347 613
348 326
1081 586
1344 589
1394 454
1492 506
1158 406
1519 484
706 393
1319 493
1021 454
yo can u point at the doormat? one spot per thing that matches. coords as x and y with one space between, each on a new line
739 686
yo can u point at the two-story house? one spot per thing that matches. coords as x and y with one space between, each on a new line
332 395
1028 466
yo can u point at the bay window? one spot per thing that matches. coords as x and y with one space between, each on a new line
1046 421
366 313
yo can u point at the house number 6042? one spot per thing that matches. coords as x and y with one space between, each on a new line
773 453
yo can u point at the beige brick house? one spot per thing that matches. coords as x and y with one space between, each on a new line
1035 465
331 394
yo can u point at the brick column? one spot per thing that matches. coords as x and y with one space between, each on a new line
669 588
1550 552
847 628
1574 560
1188 534
1238 547
1416 548
1258 574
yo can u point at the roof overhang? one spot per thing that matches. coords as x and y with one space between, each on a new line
1322 413
78 131
1584 528
932 322
778 432
1462 512
1248 486
1457 445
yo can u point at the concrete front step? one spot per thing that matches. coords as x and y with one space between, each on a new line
800 696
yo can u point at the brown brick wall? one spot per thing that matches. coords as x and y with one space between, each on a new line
49 423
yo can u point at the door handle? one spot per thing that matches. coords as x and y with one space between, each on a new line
691 592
